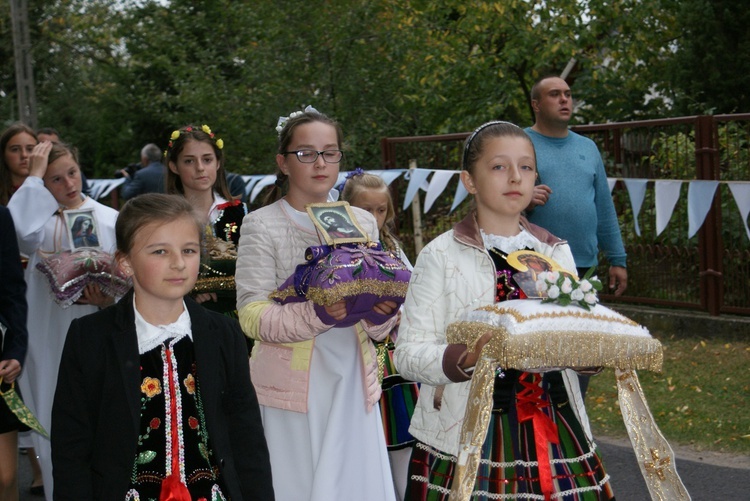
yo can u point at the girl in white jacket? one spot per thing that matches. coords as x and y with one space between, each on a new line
464 269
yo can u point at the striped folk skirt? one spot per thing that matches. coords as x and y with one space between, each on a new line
509 468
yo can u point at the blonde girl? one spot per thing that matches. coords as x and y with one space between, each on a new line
459 271
52 187
317 383
369 192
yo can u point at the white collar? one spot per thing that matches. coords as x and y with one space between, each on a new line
213 212
151 336
522 240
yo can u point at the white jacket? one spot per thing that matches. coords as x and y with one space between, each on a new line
454 274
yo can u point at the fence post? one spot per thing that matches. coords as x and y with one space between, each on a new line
710 246
416 215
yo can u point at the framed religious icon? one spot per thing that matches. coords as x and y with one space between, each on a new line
529 264
83 229
336 222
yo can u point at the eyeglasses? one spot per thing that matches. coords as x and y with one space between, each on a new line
310 156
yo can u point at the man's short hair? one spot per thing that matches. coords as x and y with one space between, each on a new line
151 152
535 88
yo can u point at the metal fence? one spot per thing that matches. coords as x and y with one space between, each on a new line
709 272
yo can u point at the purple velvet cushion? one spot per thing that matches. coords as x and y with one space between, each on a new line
361 274
70 272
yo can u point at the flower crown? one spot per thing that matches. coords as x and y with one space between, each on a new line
283 120
205 128
564 289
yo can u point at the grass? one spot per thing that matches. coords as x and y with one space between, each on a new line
700 399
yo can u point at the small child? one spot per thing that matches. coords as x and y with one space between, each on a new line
154 399
195 169
317 383
460 271
369 192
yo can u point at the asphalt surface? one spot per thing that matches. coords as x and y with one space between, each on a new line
707 476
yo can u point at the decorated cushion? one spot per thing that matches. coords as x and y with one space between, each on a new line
70 272
531 335
362 274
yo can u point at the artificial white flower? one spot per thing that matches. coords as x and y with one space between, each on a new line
576 295
541 284
585 285
567 286
552 276
590 298
553 292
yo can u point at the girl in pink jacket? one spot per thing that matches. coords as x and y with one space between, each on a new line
317 383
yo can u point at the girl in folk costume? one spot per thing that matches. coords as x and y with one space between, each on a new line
369 192
464 269
154 399
317 383
38 209
195 169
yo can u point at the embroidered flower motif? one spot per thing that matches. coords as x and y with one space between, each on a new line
193 423
565 289
155 423
189 383
151 387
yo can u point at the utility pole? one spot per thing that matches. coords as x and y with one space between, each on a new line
19 13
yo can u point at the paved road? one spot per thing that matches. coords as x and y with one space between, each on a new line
709 478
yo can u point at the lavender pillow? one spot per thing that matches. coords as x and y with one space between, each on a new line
70 272
362 274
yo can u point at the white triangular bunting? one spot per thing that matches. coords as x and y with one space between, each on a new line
461 194
437 185
700 197
262 183
416 178
741 192
388 175
637 192
666 193
611 182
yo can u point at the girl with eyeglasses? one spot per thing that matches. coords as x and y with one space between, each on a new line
317 383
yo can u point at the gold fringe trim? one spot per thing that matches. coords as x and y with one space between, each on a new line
327 297
564 348
214 284
499 310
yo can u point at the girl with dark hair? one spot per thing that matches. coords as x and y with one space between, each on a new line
195 170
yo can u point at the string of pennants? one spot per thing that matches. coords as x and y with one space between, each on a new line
666 193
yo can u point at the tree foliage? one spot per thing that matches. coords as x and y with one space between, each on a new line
112 75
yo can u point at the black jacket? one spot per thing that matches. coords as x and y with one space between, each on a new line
96 411
13 308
